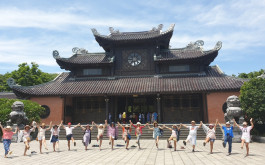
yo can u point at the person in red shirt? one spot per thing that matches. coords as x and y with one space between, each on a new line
7 137
138 131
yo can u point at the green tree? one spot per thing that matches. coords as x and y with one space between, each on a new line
252 98
32 109
251 74
26 75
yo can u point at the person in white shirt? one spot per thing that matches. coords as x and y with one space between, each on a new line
69 133
245 139
41 135
210 134
101 129
192 137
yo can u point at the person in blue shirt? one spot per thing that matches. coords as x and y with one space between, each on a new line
228 136
155 116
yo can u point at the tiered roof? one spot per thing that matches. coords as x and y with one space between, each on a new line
210 80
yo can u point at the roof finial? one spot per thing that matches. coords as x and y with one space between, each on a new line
11 82
95 32
218 45
55 54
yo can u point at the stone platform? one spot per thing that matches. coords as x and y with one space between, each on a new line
148 155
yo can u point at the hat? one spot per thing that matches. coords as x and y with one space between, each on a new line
69 123
210 125
245 123
100 125
127 126
27 126
43 124
8 127
138 123
227 123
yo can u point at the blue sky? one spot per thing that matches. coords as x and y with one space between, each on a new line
30 30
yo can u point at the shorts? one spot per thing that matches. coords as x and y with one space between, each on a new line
25 139
212 140
247 139
100 137
41 137
69 137
192 139
55 138
174 138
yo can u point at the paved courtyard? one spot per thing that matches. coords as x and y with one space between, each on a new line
149 154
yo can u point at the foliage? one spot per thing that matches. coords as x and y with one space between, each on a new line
254 74
26 76
32 109
252 98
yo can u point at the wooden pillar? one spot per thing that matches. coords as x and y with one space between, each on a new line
158 107
107 108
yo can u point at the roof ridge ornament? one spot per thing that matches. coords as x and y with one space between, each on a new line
112 31
81 51
11 82
55 54
195 45
218 45
95 32
159 28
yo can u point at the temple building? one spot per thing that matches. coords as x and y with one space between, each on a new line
137 73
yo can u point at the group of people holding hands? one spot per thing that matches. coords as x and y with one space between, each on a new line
112 133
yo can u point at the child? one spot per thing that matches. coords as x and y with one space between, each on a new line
41 135
112 133
174 135
245 134
26 137
55 130
87 135
138 131
228 136
126 133
210 132
156 132
192 137
101 129
69 133
7 137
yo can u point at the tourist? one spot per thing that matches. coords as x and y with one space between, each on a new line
69 133
140 117
245 139
55 131
126 133
157 132
148 117
143 118
109 117
41 135
192 137
7 137
120 116
210 134
155 117
124 117
26 137
87 135
101 129
134 118
138 132
112 133
174 135
228 135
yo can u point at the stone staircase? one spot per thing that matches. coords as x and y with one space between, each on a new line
147 134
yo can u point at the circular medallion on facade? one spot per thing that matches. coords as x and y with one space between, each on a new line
134 59
46 112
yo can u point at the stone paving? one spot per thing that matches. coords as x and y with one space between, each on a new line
148 155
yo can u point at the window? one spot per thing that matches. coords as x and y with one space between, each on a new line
92 72
46 112
179 68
